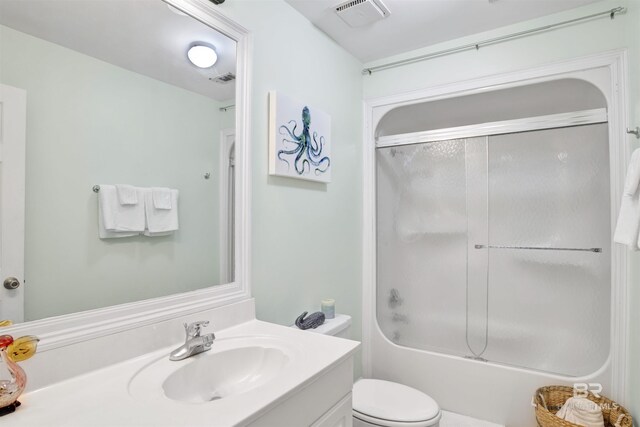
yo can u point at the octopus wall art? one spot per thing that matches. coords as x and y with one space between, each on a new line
299 140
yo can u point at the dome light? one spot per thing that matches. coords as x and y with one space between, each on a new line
202 56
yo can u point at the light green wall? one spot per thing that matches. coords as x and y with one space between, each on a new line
89 122
306 236
228 118
568 42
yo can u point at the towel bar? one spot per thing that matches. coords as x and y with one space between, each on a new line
96 188
538 248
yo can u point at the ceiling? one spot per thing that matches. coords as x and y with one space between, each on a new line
143 36
418 23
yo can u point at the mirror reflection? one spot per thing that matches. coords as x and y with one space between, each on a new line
115 100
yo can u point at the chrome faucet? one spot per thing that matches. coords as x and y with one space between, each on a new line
194 342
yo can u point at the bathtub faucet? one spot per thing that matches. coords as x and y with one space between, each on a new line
194 343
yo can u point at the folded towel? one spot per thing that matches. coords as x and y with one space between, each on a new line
106 234
160 220
628 226
116 220
161 197
127 194
162 233
581 411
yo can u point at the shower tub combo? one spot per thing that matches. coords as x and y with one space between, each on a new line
491 270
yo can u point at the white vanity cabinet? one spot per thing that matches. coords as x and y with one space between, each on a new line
338 416
325 402
308 385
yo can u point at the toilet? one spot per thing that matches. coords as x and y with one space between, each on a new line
379 403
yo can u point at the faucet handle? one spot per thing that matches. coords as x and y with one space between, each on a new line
193 329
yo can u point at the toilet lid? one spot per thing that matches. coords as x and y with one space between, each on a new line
392 401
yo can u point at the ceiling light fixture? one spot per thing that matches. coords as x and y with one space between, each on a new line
202 56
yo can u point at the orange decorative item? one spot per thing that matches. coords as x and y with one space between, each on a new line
12 378
23 348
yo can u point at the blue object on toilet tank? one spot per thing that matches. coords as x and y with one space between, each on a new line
311 322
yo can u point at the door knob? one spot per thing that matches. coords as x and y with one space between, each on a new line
11 283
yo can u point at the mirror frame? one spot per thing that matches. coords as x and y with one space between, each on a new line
60 331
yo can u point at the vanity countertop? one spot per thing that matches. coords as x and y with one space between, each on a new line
104 397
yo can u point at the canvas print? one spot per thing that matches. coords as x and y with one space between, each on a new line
299 140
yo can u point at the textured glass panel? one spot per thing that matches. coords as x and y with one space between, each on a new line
422 245
550 310
546 310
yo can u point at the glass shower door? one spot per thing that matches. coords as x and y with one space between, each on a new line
549 309
422 245
497 248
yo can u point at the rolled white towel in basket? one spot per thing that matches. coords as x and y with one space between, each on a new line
581 411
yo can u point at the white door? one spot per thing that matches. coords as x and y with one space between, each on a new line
227 205
13 103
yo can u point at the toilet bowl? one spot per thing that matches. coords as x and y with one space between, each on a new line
381 403
378 403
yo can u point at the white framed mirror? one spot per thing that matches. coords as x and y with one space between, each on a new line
111 98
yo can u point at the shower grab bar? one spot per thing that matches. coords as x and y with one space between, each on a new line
539 248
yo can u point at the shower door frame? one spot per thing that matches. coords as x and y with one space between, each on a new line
615 62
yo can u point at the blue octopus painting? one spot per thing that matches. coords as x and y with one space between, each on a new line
307 149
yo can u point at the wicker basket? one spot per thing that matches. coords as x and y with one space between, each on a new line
550 399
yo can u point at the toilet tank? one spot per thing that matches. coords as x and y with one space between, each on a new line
340 326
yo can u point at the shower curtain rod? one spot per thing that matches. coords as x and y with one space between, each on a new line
611 13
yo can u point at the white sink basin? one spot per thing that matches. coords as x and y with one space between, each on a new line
233 366
223 374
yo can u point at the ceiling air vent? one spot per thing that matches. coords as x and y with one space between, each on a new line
223 78
357 13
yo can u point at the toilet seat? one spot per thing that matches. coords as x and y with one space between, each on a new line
389 404
388 423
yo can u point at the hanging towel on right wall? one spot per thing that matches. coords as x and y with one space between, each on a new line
628 227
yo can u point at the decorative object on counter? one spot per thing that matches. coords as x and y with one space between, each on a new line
299 140
23 348
311 322
550 399
328 307
13 379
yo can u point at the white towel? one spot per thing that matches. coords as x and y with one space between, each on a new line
116 220
161 197
106 234
581 411
633 174
160 220
628 226
127 194
160 234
